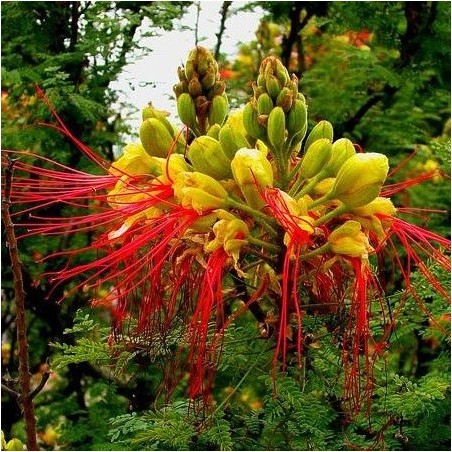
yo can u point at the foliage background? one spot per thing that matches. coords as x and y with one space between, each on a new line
380 72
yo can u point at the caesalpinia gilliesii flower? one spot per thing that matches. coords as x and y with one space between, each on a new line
239 194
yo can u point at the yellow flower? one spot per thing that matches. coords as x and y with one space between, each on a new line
135 161
349 240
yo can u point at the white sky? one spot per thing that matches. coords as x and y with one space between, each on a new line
170 50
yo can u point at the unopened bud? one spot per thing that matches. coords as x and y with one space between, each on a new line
342 149
276 128
155 137
214 131
315 158
379 205
186 109
14 444
207 156
253 172
349 240
194 87
252 126
360 178
297 121
272 86
285 99
218 110
323 129
231 140
264 104
199 191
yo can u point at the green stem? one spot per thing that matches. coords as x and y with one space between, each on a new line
325 198
263 244
258 216
322 249
334 213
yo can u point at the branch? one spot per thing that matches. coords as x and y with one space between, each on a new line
219 35
21 323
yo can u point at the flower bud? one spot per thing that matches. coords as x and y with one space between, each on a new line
218 110
297 122
285 99
231 140
207 156
264 104
360 178
253 172
251 124
194 87
14 444
342 149
315 158
379 205
323 129
272 86
198 191
186 109
214 131
155 138
276 128
136 161
349 240
208 80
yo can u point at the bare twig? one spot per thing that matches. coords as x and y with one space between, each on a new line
11 392
219 35
25 398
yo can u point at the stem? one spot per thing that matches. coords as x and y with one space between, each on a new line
334 213
259 216
263 244
325 198
321 249
25 398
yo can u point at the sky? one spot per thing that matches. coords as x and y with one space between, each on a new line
170 50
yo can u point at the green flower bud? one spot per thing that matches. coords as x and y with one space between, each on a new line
264 104
207 156
253 172
281 72
323 129
342 149
315 158
252 126
208 81
276 128
199 192
349 240
218 110
155 138
379 205
360 178
285 99
150 112
14 444
214 131
297 122
186 109
231 140
272 86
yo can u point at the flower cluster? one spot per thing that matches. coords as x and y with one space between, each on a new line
245 194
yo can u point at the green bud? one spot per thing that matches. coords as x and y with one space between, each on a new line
360 178
214 131
218 110
273 86
155 138
281 72
342 149
315 158
150 112
285 99
231 140
208 81
14 444
261 80
323 129
207 156
186 109
252 126
276 128
297 121
264 104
